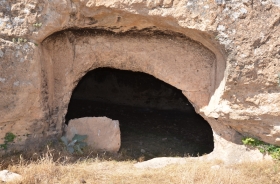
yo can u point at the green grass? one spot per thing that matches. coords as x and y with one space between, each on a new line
272 150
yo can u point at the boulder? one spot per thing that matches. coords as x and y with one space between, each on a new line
7 176
103 133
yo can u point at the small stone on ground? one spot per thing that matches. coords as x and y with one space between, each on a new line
7 176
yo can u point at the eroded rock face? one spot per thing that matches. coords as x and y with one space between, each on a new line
103 134
152 54
224 58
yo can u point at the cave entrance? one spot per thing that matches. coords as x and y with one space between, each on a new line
155 118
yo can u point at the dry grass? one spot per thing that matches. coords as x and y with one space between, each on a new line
46 169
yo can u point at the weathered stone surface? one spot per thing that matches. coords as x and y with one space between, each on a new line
103 133
153 55
235 48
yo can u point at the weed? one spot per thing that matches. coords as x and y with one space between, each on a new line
9 137
272 150
77 143
37 24
19 40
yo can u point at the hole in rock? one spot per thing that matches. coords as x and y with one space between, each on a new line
155 118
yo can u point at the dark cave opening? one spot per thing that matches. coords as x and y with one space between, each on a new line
156 119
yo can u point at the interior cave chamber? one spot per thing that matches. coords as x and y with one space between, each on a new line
156 119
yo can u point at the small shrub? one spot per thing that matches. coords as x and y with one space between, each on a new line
9 137
272 150
77 143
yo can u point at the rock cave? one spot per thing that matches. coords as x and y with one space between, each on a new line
155 118
228 72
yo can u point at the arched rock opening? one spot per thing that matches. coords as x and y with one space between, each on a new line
155 118
169 56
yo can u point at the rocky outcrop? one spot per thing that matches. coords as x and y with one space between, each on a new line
224 57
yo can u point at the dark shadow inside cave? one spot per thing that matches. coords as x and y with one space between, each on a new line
156 119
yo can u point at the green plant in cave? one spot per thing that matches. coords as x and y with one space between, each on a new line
76 145
9 137
272 150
